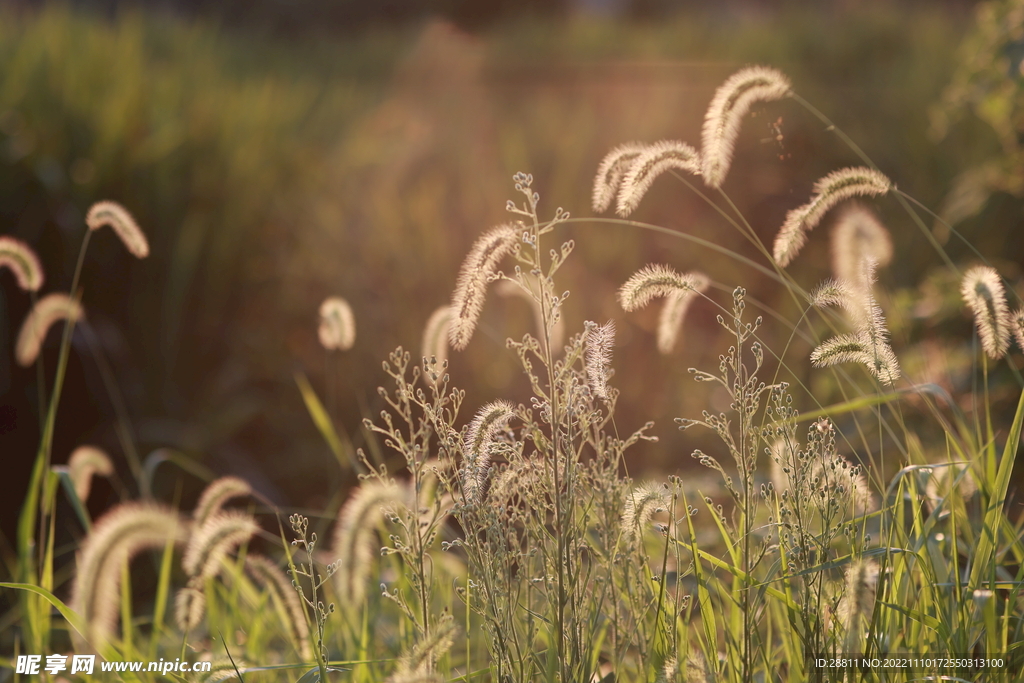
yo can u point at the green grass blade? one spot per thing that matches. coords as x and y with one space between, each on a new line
984 566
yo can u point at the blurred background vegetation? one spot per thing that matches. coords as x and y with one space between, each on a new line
316 149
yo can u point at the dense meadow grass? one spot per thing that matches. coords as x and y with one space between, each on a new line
516 503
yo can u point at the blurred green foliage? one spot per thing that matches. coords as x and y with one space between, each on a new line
270 174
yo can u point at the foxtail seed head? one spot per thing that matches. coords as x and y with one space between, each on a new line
610 173
480 437
471 287
435 336
354 534
189 607
730 104
118 218
858 601
598 357
216 495
831 293
268 575
982 290
115 538
828 192
44 314
653 281
670 320
641 504
648 165
858 234
1017 325
220 534
85 462
870 343
337 329
421 659
22 262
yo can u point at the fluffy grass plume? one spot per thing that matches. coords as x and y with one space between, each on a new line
648 165
221 533
944 479
113 541
870 343
216 495
653 281
189 608
273 580
600 341
118 218
828 192
670 320
610 173
354 535
831 292
84 463
510 288
641 504
982 290
858 234
858 602
435 336
840 480
44 314
732 101
419 661
337 324
1017 325
481 435
471 287
19 258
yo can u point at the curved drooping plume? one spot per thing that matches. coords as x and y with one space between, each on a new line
221 533
113 541
216 495
124 225
19 258
641 504
354 534
600 341
510 288
982 290
480 437
417 665
337 329
44 314
648 165
730 104
610 173
858 601
828 192
653 281
858 234
869 344
274 580
1017 324
834 293
84 463
189 607
435 337
471 287
670 320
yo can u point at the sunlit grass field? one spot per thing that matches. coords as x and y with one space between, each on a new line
502 510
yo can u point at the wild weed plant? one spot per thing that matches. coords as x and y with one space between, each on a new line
511 545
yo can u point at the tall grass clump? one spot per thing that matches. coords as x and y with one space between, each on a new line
506 541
